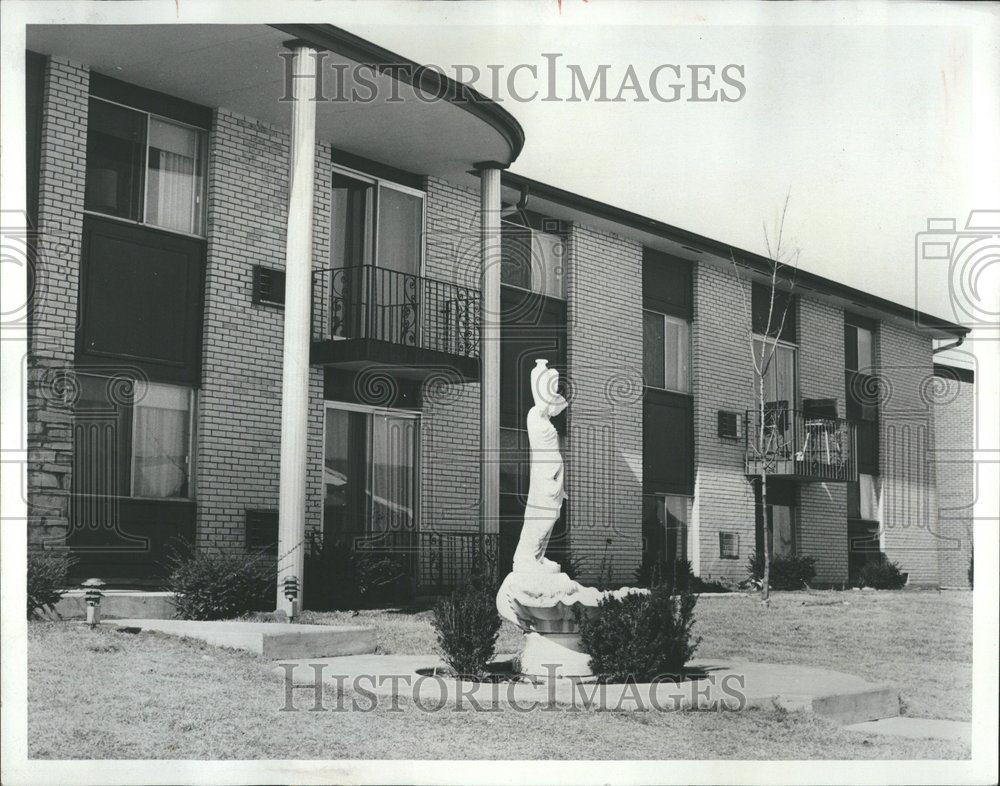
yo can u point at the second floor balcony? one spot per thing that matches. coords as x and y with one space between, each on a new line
793 444
369 315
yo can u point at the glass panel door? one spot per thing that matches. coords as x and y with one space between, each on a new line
350 251
393 454
345 475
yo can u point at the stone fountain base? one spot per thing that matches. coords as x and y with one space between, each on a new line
554 654
545 606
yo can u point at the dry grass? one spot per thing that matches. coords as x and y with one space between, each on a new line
103 694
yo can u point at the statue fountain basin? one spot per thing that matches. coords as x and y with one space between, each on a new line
545 606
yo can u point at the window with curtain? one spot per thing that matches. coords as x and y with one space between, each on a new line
665 351
400 230
533 260
145 168
160 440
779 376
132 439
174 179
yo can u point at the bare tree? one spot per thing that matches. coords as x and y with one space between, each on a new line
766 445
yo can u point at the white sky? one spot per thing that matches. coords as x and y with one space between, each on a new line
871 124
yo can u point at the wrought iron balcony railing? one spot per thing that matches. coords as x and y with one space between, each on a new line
791 443
369 302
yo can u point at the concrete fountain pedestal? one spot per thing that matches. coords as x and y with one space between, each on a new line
547 607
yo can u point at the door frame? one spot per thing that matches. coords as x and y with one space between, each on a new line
366 409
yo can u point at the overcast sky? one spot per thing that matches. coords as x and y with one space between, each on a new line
873 126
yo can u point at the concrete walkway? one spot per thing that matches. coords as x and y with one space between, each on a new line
917 728
723 684
270 639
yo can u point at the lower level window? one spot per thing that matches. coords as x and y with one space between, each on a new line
132 438
369 470
665 524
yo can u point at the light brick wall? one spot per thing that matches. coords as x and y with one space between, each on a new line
239 407
449 437
906 453
955 432
54 308
722 377
822 531
604 353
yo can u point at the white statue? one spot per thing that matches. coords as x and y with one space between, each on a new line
536 595
545 490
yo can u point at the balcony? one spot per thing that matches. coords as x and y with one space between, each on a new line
368 315
796 445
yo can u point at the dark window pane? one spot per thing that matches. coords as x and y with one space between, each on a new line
767 317
349 231
515 257
101 439
116 144
653 367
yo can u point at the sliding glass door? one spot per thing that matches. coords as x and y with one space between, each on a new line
370 470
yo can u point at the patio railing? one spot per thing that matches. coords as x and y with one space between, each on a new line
369 302
797 445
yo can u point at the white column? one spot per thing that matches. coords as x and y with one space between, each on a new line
295 365
489 351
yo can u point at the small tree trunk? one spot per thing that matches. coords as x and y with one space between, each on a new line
765 586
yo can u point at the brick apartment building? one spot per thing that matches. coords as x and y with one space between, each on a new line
166 181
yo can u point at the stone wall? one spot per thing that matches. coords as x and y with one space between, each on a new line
52 338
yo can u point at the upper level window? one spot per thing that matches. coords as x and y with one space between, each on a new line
666 347
376 222
145 168
778 360
533 260
859 348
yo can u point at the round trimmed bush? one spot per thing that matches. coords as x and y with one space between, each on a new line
787 573
215 585
641 636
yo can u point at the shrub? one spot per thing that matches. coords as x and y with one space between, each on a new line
47 575
221 585
340 577
787 573
467 625
641 636
881 574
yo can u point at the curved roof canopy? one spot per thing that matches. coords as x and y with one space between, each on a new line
417 120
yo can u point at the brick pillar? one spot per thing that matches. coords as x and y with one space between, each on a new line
52 335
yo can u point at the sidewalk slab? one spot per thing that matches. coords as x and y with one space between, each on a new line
269 639
918 728
840 697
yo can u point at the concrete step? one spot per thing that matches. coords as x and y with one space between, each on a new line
118 604
918 728
269 639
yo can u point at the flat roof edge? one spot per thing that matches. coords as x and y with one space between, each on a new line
336 39
752 260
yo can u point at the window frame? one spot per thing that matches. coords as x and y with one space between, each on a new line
370 411
794 347
203 196
686 324
373 214
192 442
530 229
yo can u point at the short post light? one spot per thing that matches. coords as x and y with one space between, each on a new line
292 594
93 594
